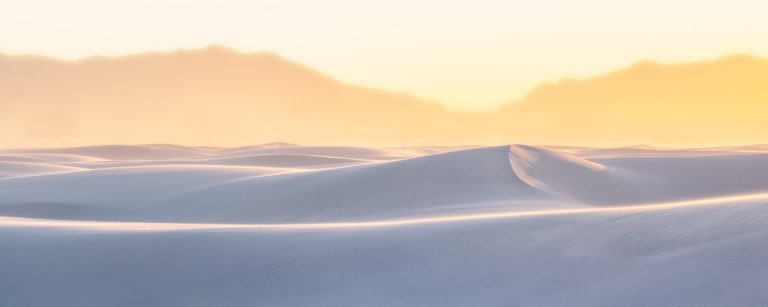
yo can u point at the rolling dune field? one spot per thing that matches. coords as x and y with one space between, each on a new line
282 224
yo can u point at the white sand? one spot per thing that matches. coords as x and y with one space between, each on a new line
279 224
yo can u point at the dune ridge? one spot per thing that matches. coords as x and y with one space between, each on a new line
281 226
7 221
272 184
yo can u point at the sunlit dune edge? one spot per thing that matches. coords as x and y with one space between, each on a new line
128 226
466 225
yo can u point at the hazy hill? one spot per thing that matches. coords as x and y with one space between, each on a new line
212 96
724 101
217 96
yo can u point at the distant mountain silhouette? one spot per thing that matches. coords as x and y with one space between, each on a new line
211 96
217 96
724 101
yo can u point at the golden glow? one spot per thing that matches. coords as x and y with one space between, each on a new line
470 55
708 103
216 96
466 55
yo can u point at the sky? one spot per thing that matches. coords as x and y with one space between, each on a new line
469 55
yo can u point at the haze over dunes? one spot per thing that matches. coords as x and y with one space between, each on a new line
217 96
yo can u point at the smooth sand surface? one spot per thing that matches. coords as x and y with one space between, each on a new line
281 224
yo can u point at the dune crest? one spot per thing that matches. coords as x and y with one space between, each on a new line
495 226
564 175
293 184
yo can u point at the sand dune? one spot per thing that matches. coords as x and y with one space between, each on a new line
282 224
168 190
642 177
17 168
302 184
119 152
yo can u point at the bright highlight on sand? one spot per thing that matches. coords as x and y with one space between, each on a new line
580 184
270 218
128 226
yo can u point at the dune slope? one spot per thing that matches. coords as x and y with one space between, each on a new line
286 225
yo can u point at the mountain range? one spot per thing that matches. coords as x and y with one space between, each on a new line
218 96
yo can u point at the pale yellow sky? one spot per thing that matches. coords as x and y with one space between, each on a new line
467 54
